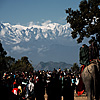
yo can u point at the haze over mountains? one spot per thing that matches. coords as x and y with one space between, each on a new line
45 42
51 65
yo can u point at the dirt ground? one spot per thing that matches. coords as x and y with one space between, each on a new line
76 97
82 97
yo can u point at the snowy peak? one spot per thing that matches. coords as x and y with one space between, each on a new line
40 42
15 34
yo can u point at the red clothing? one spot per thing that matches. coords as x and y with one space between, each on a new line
14 83
80 88
15 90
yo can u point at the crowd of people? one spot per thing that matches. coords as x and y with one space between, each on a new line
31 85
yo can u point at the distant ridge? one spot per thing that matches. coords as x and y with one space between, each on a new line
51 65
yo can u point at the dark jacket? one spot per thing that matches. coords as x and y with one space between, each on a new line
93 51
39 89
84 55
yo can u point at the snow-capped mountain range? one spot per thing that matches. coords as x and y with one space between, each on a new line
45 42
17 33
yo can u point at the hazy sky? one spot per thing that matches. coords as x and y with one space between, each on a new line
25 11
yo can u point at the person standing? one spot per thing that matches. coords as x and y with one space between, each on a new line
54 88
68 91
39 88
30 90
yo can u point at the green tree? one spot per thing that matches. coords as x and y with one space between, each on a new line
22 64
9 64
85 21
75 68
3 53
6 63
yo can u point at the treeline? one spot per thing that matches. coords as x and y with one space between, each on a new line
9 64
